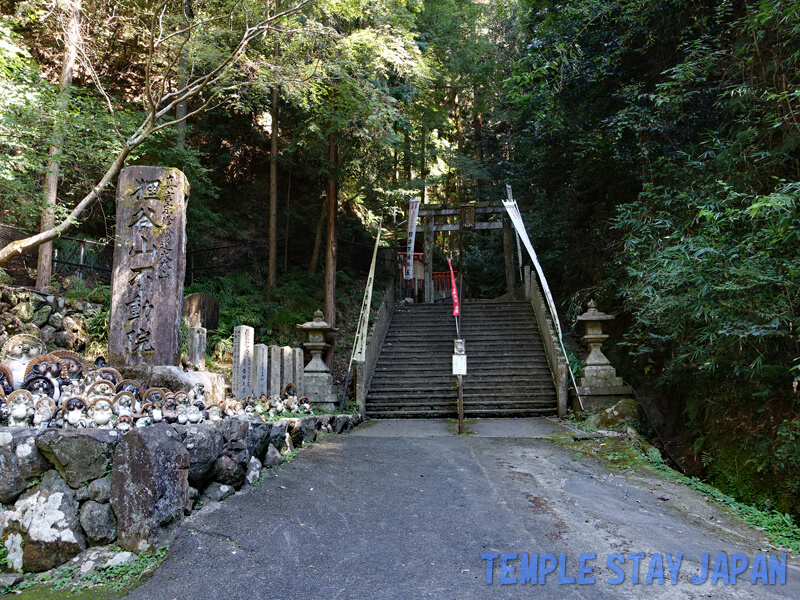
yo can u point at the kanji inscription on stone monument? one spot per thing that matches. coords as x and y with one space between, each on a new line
149 267
242 368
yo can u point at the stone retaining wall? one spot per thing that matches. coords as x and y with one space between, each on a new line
64 490
57 321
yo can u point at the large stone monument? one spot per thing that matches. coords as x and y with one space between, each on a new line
149 267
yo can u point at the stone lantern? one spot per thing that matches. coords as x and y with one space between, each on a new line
317 378
598 383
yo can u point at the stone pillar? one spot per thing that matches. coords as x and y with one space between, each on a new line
196 347
297 374
242 369
149 267
287 366
261 371
508 254
274 384
527 275
427 258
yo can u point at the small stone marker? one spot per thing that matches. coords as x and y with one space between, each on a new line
196 347
242 372
261 371
149 267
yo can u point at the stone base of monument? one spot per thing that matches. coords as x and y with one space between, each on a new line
320 390
597 397
176 379
599 385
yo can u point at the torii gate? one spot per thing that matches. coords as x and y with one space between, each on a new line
466 213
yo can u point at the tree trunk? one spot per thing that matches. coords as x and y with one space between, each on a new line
312 266
44 264
273 193
407 156
286 227
332 201
395 160
272 259
477 123
457 119
183 76
183 107
459 184
422 166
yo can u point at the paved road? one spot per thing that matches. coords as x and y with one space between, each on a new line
399 509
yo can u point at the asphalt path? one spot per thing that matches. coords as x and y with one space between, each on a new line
406 509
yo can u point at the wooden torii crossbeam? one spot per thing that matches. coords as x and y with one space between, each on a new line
433 217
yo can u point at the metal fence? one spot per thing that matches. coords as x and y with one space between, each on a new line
92 260
72 257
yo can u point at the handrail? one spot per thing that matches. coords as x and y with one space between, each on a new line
555 358
366 368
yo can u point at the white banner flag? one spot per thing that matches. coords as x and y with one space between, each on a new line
363 325
516 219
413 211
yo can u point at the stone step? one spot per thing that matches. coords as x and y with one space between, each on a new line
495 342
433 357
452 413
546 397
475 379
421 343
468 404
507 369
533 388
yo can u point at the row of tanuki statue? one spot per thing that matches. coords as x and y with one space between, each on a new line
61 389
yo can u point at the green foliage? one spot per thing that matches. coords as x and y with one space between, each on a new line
82 289
483 266
780 528
657 145
62 578
719 293
13 57
124 575
30 121
787 453
273 315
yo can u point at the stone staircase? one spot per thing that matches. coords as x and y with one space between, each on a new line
507 372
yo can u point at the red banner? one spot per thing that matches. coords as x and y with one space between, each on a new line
453 290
